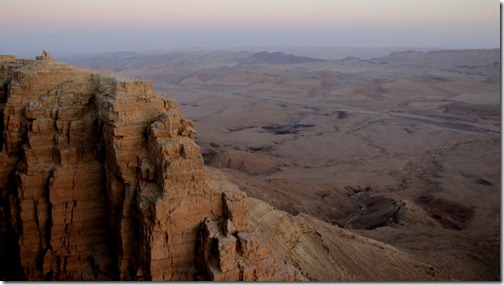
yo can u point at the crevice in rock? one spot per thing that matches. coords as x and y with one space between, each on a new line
3 99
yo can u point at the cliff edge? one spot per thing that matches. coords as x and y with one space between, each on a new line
101 180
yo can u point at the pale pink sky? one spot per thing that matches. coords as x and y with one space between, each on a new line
66 26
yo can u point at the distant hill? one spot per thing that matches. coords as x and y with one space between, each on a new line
332 53
483 62
277 58
442 58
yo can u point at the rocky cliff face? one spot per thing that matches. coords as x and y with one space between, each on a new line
101 180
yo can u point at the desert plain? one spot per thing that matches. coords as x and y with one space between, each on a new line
377 168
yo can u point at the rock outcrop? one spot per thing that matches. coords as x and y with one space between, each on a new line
101 180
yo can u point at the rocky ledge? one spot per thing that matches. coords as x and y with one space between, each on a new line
101 180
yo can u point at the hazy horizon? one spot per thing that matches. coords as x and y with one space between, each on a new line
76 27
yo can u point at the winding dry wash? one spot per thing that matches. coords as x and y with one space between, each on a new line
228 165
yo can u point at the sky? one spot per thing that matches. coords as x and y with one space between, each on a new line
66 27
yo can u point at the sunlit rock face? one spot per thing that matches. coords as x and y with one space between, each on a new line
101 180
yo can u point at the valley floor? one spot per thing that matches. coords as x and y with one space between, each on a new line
373 170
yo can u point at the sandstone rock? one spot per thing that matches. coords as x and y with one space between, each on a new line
101 180
240 256
45 56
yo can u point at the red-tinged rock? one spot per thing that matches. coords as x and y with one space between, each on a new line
102 180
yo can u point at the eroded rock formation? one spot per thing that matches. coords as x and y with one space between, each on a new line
101 180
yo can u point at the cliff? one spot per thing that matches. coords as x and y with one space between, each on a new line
101 180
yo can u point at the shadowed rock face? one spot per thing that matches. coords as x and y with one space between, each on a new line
101 180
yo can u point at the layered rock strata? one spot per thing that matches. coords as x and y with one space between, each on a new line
101 180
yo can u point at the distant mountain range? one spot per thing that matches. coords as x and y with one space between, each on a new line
474 57
277 58
478 62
